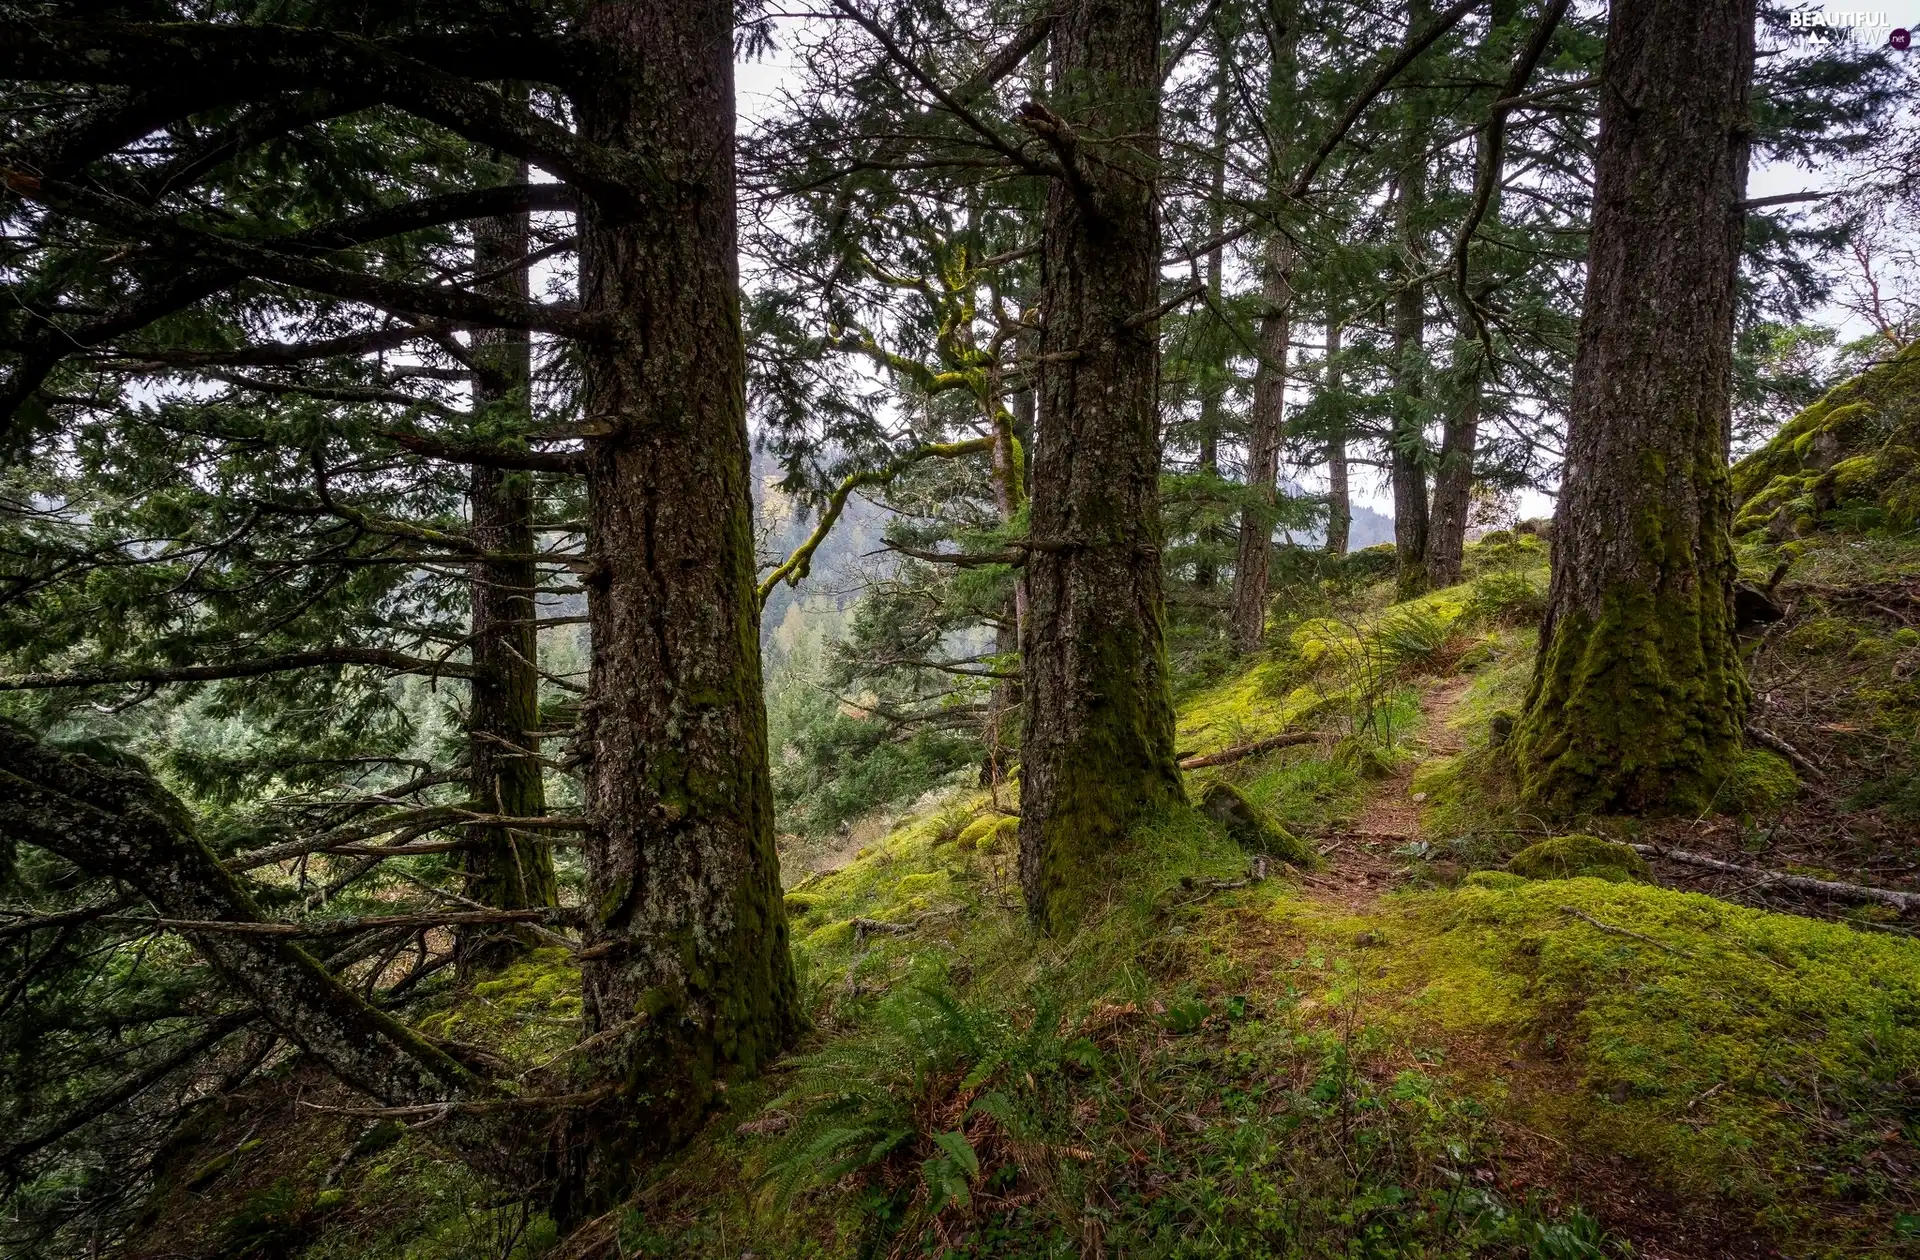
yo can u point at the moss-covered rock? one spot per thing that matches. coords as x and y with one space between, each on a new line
1493 879
1571 857
1253 828
1848 459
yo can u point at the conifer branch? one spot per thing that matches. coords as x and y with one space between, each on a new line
378 658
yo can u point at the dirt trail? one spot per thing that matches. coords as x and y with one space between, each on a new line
1359 862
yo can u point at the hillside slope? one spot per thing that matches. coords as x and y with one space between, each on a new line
1381 1043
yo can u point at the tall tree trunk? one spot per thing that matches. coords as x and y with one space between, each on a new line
507 870
1213 388
1453 478
688 977
1097 748
1407 443
1638 696
1268 418
1339 498
1264 428
1009 497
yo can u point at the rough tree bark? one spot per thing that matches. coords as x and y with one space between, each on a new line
1638 696
1264 427
1214 388
507 870
1339 498
687 980
1453 477
1097 748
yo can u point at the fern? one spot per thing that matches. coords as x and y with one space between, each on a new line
890 1096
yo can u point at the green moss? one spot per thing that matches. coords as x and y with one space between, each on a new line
1761 781
532 1008
1252 827
993 833
829 936
1743 1056
1848 460
1492 879
1637 710
1572 857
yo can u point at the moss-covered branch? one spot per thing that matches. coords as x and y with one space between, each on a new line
800 562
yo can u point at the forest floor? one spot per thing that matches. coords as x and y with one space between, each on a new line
1408 1051
1361 868
1359 855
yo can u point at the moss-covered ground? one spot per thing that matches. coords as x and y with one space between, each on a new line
1467 1062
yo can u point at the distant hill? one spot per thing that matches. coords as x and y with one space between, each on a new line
852 557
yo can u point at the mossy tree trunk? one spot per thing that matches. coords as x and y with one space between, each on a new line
507 869
687 979
1638 697
1097 747
1453 476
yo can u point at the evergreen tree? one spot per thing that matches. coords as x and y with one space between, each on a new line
1097 746
1638 697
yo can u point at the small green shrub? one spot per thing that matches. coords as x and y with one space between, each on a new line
930 1069
1507 597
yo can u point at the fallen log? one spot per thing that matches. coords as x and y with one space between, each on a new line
1258 746
1799 883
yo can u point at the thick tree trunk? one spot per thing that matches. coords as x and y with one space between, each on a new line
1453 478
1097 748
1407 445
1264 428
688 979
1638 697
507 870
1267 421
1339 498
